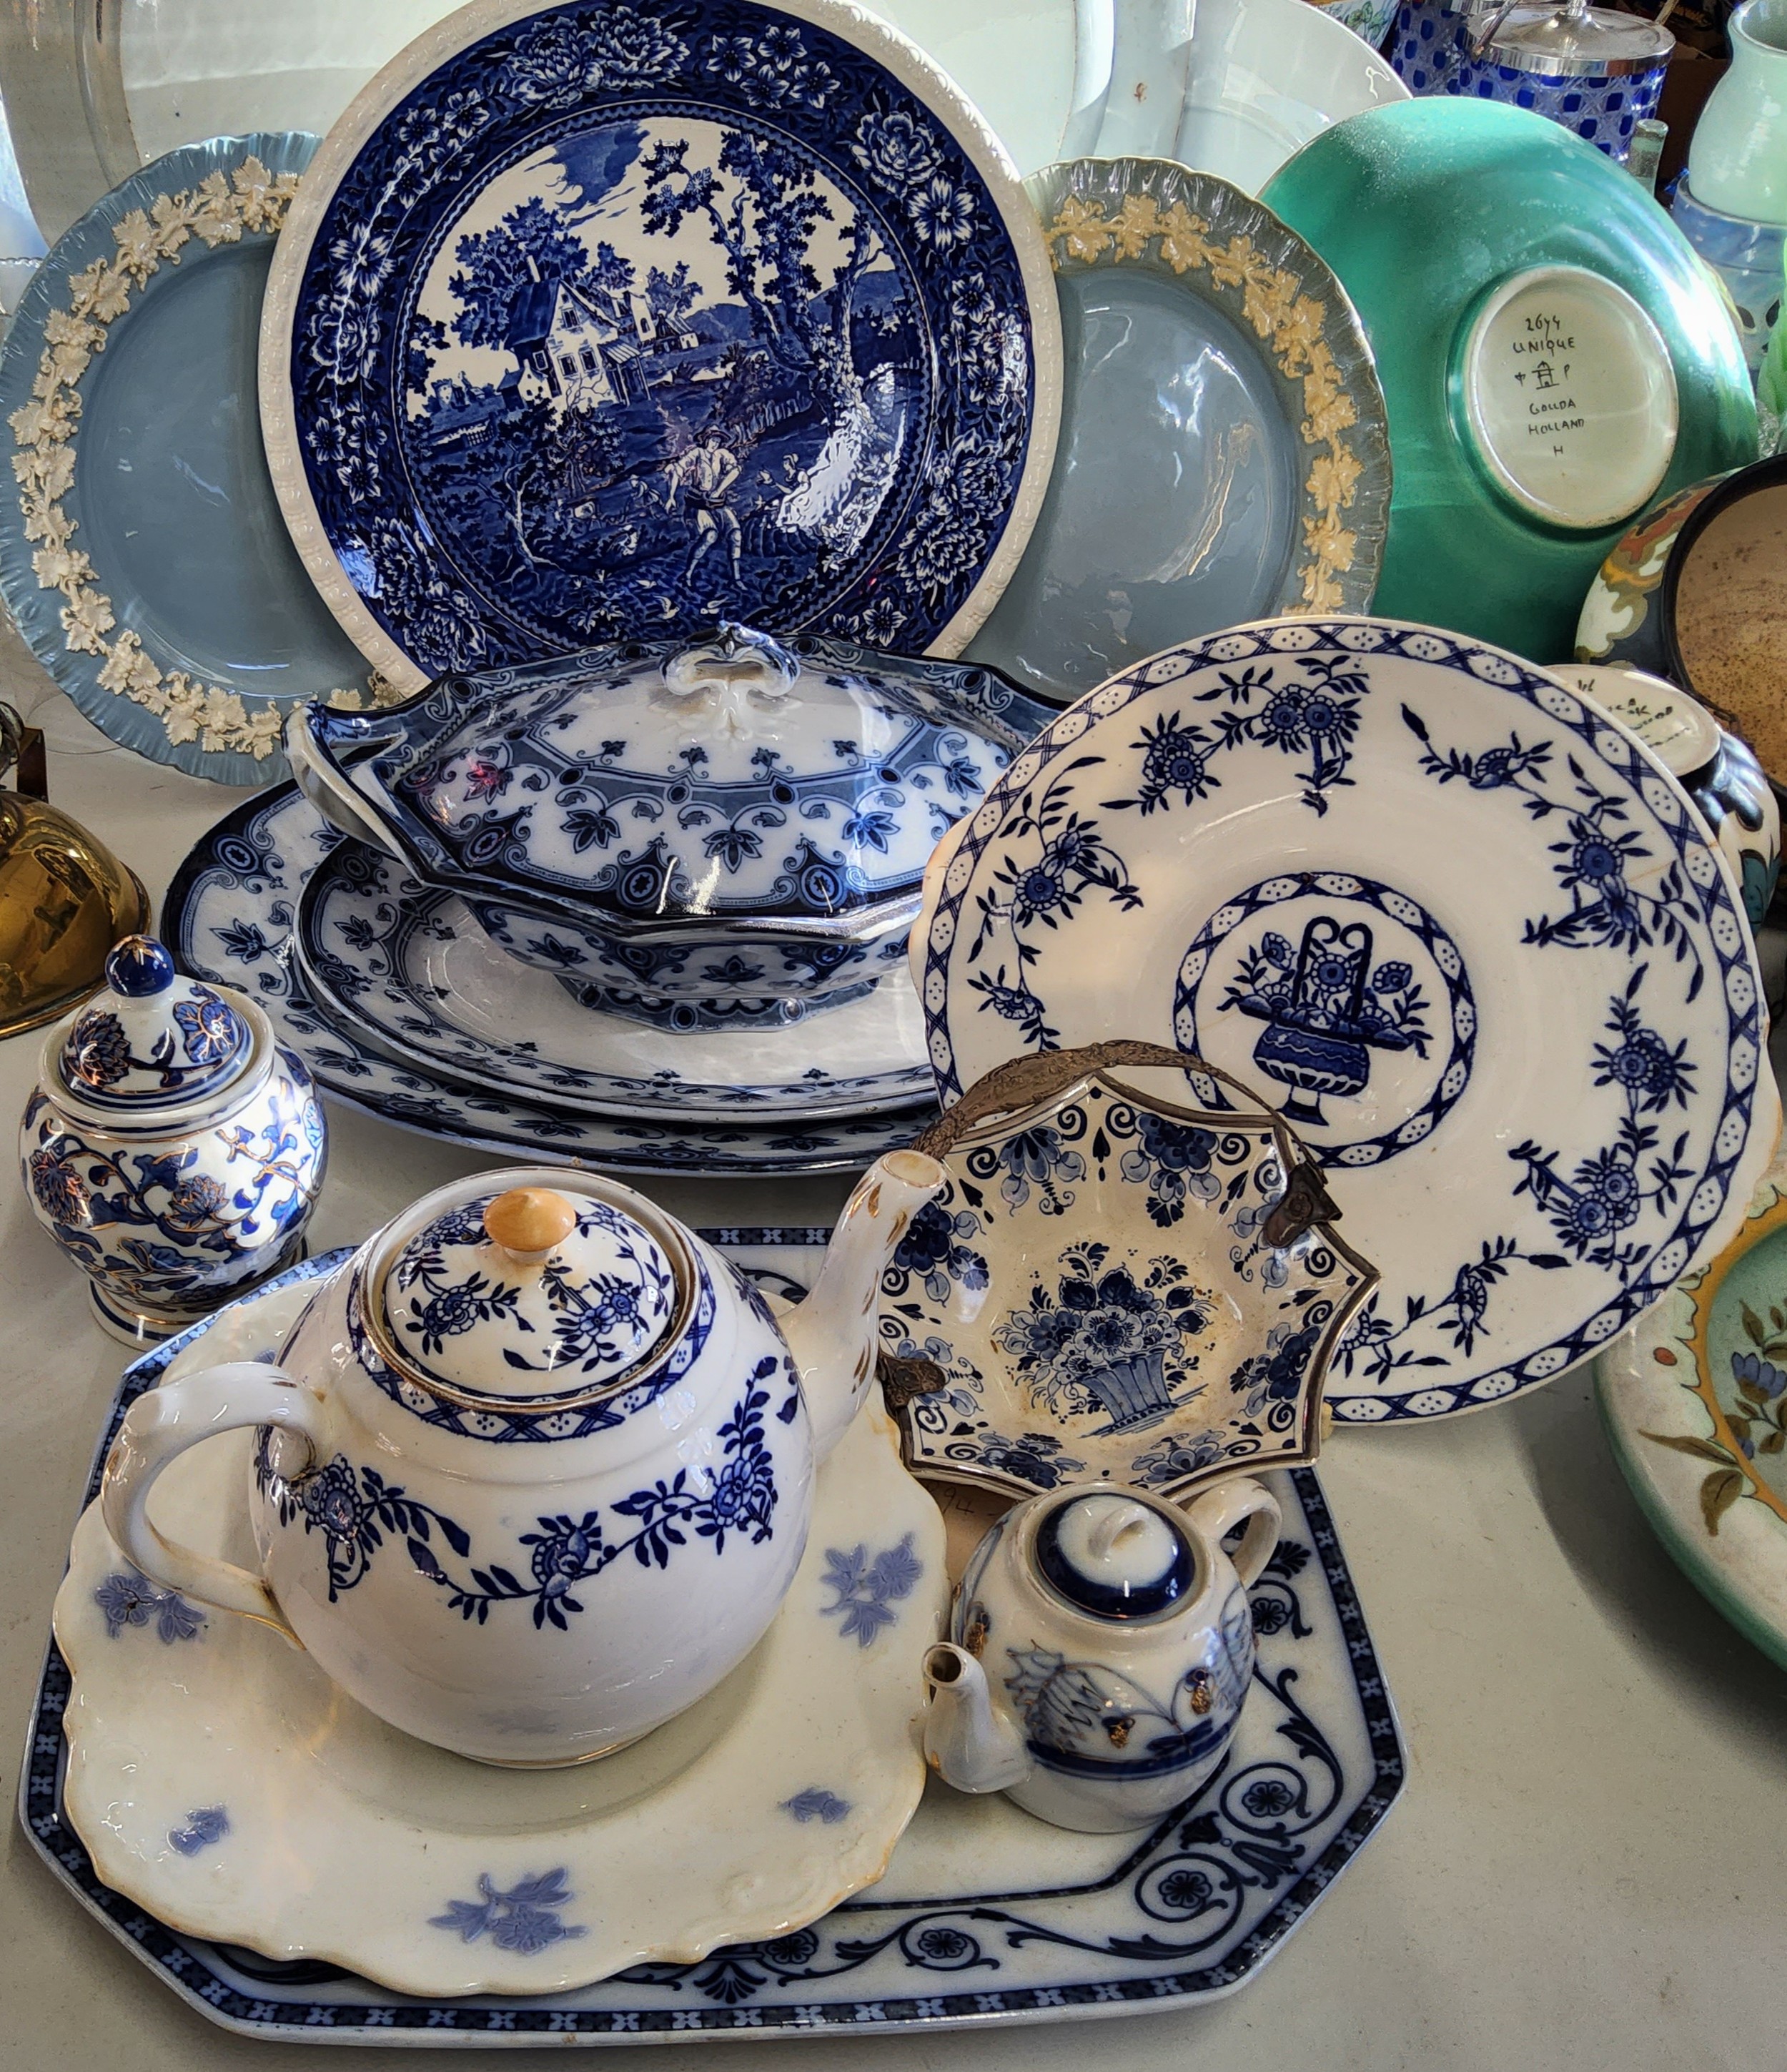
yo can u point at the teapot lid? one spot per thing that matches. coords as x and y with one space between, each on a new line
1116 1556
152 1041
528 1293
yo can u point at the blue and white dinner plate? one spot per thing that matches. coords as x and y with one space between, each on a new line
608 316
985 1916
1463 931
229 916
142 553
404 966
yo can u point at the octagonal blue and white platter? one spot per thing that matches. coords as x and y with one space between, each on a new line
985 1917
229 915
1465 933
616 314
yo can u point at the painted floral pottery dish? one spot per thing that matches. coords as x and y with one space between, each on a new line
228 917
388 961
204 1751
1694 1403
588 321
1597 71
1746 256
1222 454
1737 157
722 834
1471 937
1101 1650
983 1915
172 1147
1694 593
1716 769
1131 1276
506 1348
1260 78
1553 356
146 562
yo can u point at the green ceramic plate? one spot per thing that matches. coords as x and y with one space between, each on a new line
1554 357
1695 1400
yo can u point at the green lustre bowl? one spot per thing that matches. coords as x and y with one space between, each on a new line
1554 356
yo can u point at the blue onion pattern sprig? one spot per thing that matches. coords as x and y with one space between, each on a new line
1375 1348
126 1598
524 1918
1598 849
1309 706
354 1509
865 1588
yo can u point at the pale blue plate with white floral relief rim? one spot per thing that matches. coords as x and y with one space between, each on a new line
1467 935
984 1918
533 375
142 551
229 916
390 961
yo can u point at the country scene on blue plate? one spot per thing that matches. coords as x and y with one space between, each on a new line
662 369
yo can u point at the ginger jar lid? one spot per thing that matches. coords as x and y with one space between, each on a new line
1115 1557
527 1293
152 1041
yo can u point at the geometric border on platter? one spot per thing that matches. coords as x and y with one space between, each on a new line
502 75
719 1997
1709 1199
240 848
222 192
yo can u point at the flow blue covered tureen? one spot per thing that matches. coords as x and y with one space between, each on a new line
726 833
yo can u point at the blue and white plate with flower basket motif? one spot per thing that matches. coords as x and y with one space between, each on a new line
617 314
1465 933
984 1916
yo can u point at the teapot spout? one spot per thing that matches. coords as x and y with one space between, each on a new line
968 1742
832 1334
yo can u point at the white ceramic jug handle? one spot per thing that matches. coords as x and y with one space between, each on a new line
1219 1511
161 1425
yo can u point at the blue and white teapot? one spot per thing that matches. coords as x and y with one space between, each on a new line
1102 1648
532 1472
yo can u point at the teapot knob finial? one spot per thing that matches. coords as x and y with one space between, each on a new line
528 1223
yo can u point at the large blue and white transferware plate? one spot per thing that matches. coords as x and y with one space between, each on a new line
984 1916
142 554
625 314
1465 933
228 917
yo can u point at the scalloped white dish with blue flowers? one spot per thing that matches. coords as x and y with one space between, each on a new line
207 1756
1467 935
598 317
985 1916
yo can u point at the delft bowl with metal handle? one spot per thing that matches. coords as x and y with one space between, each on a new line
730 832
1100 1649
533 1466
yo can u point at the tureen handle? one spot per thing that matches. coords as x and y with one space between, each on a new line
735 656
160 1426
312 732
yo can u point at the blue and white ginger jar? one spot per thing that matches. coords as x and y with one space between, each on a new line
172 1148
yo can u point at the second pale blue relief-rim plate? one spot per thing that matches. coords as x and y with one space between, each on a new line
986 1917
228 917
1469 937
1224 454
142 553
403 965
613 315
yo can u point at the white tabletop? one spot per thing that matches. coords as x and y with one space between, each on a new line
1585 1869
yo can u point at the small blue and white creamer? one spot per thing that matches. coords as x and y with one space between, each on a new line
533 1473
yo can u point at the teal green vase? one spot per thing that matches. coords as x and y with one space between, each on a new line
1554 358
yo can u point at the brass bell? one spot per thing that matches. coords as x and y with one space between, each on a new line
64 899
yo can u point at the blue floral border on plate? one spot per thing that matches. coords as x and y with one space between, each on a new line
254 1997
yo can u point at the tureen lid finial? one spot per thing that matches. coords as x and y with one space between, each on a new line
528 1223
152 1043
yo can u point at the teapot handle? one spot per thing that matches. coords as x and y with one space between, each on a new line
1219 1511
161 1425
